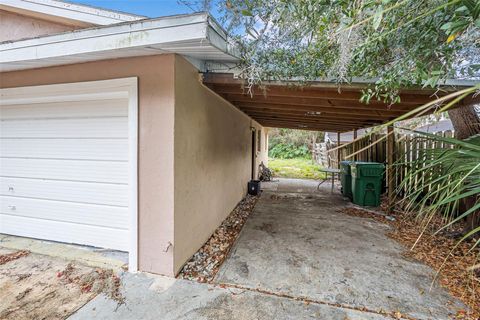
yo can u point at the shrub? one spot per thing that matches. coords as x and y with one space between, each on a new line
289 151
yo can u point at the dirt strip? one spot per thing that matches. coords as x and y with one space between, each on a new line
34 286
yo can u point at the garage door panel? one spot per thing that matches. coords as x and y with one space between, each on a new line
73 212
87 149
85 192
116 127
65 171
76 170
73 109
65 232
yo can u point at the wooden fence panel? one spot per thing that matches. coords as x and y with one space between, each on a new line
409 149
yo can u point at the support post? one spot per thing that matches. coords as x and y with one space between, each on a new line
355 144
390 169
338 150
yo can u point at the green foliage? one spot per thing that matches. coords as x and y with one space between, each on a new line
289 151
400 43
295 168
293 136
468 13
291 143
451 174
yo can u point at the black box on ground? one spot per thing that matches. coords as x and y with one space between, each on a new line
254 187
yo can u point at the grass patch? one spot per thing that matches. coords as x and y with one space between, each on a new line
295 168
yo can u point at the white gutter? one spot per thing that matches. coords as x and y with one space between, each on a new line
67 11
189 35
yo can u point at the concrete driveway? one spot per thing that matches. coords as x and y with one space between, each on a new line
296 258
152 297
296 243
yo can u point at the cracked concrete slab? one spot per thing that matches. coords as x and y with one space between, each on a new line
296 243
296 258
157 297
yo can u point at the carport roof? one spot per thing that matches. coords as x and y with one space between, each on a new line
322 105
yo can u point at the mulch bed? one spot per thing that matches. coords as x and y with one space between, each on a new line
206 262
442 252
4 258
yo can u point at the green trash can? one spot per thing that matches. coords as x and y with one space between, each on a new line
367 180
346 178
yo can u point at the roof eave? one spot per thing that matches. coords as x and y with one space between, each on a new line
68 13
190 35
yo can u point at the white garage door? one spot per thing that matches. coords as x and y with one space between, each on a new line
66 165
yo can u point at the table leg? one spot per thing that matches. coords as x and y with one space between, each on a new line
324 180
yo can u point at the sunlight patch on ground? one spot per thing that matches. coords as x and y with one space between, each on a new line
295 168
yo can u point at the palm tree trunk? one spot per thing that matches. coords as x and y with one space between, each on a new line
466 123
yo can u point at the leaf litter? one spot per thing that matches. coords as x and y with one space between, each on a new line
96 281
206 262
4 258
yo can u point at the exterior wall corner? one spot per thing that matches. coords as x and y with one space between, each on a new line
213 160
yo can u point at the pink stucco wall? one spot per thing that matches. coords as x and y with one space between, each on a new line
155 142
194 156
15 26
212 160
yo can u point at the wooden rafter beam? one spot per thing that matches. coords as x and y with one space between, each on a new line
326 109
299 124
318 102
320 106
312 92
228 79
309 120
312 114
304 127
341 122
